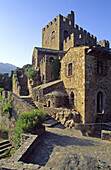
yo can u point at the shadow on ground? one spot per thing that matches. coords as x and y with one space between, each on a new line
46 144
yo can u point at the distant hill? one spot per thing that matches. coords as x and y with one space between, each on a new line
6 68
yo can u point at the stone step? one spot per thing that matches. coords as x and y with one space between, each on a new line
50 123
3 150
4 142
5 146
47 117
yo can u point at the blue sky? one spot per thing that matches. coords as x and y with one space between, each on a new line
21 23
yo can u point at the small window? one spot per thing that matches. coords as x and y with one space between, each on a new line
49 103
99 67
37 98
69 69
53 35
99 102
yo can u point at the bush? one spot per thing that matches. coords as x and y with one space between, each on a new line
27 122
31 73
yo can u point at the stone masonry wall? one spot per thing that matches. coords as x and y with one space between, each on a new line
95 83
19 106
75 82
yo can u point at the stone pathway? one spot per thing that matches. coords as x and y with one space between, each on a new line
58 142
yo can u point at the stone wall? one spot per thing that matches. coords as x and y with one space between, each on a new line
42 58
19 106
75 83
97 82
42 94
15 85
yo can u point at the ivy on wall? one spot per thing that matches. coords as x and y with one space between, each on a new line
55 66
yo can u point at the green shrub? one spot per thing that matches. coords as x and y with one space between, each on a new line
28 122
8 108
31 73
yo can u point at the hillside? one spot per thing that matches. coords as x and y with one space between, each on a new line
6 68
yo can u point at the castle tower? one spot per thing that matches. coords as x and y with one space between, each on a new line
56 31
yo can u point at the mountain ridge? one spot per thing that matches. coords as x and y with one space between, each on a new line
6 68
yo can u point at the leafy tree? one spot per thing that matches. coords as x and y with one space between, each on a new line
33 74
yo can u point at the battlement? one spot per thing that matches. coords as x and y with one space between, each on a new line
68 42
104 44
81 30
50 23
69 19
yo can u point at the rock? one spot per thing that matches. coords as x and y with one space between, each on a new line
67 123
71 123
63 121
70 116
106 135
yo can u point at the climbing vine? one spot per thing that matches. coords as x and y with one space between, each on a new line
56 68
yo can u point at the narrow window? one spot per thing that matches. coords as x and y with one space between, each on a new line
69 69
53 35
99 67
37 98
72 98
49 103
99 102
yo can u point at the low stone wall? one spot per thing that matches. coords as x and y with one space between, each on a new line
19 106
16 161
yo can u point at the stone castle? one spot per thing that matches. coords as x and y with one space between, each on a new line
85 83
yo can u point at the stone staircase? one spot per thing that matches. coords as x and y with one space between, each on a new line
29 100
4 145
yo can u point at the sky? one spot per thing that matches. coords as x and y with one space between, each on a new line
21 23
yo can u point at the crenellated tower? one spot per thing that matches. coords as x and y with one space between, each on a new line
62 33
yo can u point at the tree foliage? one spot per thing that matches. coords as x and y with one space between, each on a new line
31 73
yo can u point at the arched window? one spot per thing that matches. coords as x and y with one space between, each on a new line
65 34
53 35
100 102
72 98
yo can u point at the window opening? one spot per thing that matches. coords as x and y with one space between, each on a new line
99 102
69 69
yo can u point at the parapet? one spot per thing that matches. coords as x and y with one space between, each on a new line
69 19
81 30
104 43
68 42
